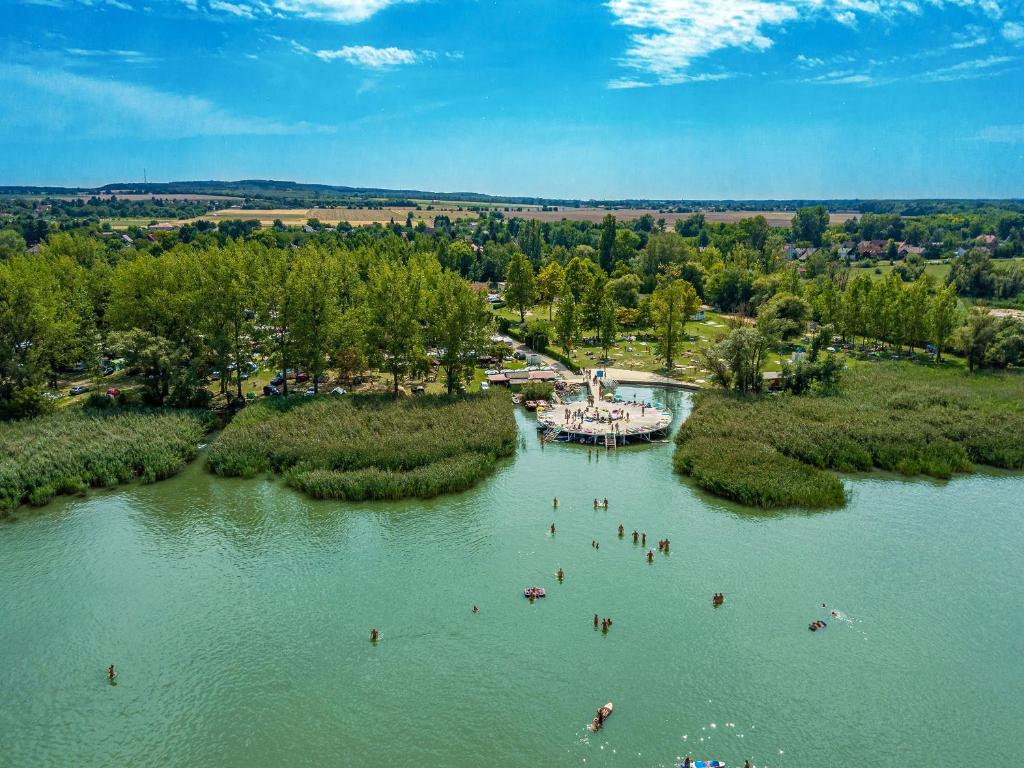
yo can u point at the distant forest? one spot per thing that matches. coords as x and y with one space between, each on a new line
295 194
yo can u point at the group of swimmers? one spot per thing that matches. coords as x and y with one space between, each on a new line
600 504
605 624
717 599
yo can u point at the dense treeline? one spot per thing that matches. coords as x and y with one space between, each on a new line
179 305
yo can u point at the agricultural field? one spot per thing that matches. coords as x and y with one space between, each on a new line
777 450
364 216
369 446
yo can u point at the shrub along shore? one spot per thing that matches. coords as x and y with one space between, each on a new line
369 446
775 451
68 452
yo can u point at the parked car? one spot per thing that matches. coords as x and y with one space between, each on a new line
269 390
278 380
301 378
113 392
519 355
338 391
484 385
310 391
78 390
107 370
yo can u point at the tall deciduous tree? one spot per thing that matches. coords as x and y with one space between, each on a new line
606 249
944 315
394 309
672 305
549 284
457 323
567 321
520 288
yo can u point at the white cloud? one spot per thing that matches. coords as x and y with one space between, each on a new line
375 58
1014 31
808 61
235 9
344 11
965 70
625 83
57 101
670 35
1003 134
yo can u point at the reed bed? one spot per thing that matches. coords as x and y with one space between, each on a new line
773 451
68 452
370 447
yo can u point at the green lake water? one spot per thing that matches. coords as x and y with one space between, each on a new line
238 612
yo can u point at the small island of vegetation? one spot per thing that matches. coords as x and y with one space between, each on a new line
370 447
775 451
67 453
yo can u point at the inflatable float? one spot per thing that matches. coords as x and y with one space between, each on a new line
534 592
606 711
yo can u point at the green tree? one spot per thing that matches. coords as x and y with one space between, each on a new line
567 321
672 305
745 350
783 316
607 324
394 310
457 323
606 248
809 224
976 336
549 284
944 315
520 288
315 310
914 314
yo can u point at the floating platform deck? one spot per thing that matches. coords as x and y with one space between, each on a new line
604 422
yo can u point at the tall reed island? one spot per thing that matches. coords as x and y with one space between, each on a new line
370 446
775 451
71 451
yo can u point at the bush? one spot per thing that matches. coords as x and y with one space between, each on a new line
535 390
68 452
770 450
369 446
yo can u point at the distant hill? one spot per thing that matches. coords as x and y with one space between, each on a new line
295 194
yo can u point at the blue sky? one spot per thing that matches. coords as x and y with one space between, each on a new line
573 98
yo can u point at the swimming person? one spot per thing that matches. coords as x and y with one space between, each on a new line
650 555
606 503
596 620
597 545
596 504
635 536
555 503
552 529
561 574
374 634
622 530
475 609
111 674
643 541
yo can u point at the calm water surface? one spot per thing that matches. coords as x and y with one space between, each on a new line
237 613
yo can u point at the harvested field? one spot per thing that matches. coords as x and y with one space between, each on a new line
363 216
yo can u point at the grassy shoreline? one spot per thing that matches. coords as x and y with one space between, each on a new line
778 451
69 452
369 447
